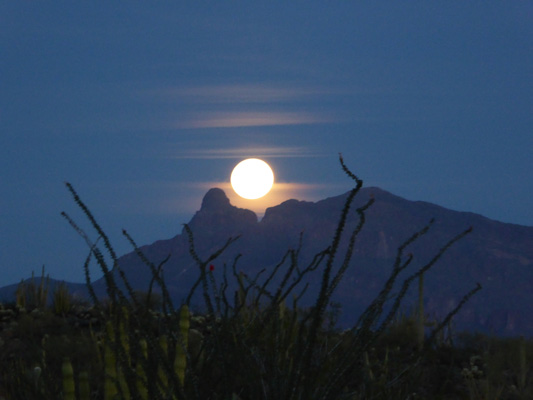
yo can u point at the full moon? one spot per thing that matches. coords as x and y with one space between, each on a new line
252 178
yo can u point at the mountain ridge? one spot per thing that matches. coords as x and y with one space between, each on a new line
496 254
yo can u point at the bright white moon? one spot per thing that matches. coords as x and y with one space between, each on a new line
252 178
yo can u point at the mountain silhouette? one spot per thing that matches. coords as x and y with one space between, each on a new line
497 255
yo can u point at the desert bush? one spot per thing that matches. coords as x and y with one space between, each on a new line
30 295
62 301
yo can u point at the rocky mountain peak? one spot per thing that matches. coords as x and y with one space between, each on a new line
217 217
215 200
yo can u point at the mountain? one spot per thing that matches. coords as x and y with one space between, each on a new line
497 255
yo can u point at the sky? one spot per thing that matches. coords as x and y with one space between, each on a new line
144 106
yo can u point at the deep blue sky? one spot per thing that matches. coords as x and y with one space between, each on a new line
145 106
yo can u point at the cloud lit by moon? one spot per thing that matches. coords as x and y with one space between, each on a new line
250 118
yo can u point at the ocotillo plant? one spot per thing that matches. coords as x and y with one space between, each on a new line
255 346
420 314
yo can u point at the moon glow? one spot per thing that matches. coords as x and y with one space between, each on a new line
252 178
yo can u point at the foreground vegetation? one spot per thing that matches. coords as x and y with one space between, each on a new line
252 339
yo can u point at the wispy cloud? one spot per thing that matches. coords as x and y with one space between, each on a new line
248 105
221 119
278 186
239 152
